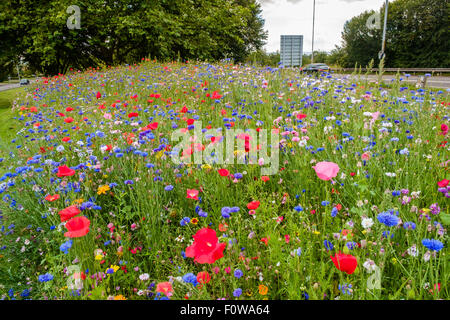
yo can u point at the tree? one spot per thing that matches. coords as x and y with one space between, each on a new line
123 31
417 36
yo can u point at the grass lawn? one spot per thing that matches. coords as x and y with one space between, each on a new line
7 127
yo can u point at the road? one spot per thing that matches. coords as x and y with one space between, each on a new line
432 82
8 86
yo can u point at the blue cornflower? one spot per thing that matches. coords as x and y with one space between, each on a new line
190 278
202 213
185 221
128 182
388 219
25 293
238 175
346 289
45 277
237 293
325 203
66 246
387 234
409 225
110 271
238 273
169 187
432 244
334 212
299 252
328 245
298 208
351 245
226 212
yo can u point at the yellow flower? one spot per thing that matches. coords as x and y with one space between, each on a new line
426 210
81 200
98 257
194 220
316 232
120 297
206 166
263 289
115 267
103 189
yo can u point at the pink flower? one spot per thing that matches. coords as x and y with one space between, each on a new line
365 156
326 170
443 183
192 194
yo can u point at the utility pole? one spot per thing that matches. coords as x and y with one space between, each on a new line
314 18
18 73
382 55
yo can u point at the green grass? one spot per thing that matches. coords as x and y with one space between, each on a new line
7 127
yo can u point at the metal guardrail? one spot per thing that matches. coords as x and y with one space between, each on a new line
406 70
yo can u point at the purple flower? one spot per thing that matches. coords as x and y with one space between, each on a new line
435 209
238 273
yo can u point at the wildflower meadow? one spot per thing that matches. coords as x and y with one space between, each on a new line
200 181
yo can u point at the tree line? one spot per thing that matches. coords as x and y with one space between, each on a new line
123 31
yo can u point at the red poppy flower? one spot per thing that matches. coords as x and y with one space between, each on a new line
443 183
77 227
99 95
206 247
224 172
164 287
215 139
203 277
265 240
192 194
253 205
184 109
301 116
50 198
133 114
68 109
153 126
345 262
65 171
68 120
265 178
65 139
190 121
216 95
68 212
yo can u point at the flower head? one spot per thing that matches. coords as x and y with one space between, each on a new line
206 247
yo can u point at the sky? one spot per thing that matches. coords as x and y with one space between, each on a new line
290 17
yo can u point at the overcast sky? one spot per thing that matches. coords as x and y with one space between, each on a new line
295 17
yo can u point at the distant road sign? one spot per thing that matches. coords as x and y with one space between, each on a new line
291 53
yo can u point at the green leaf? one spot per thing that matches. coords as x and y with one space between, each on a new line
445 218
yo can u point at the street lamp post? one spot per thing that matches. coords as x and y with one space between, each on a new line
314 18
